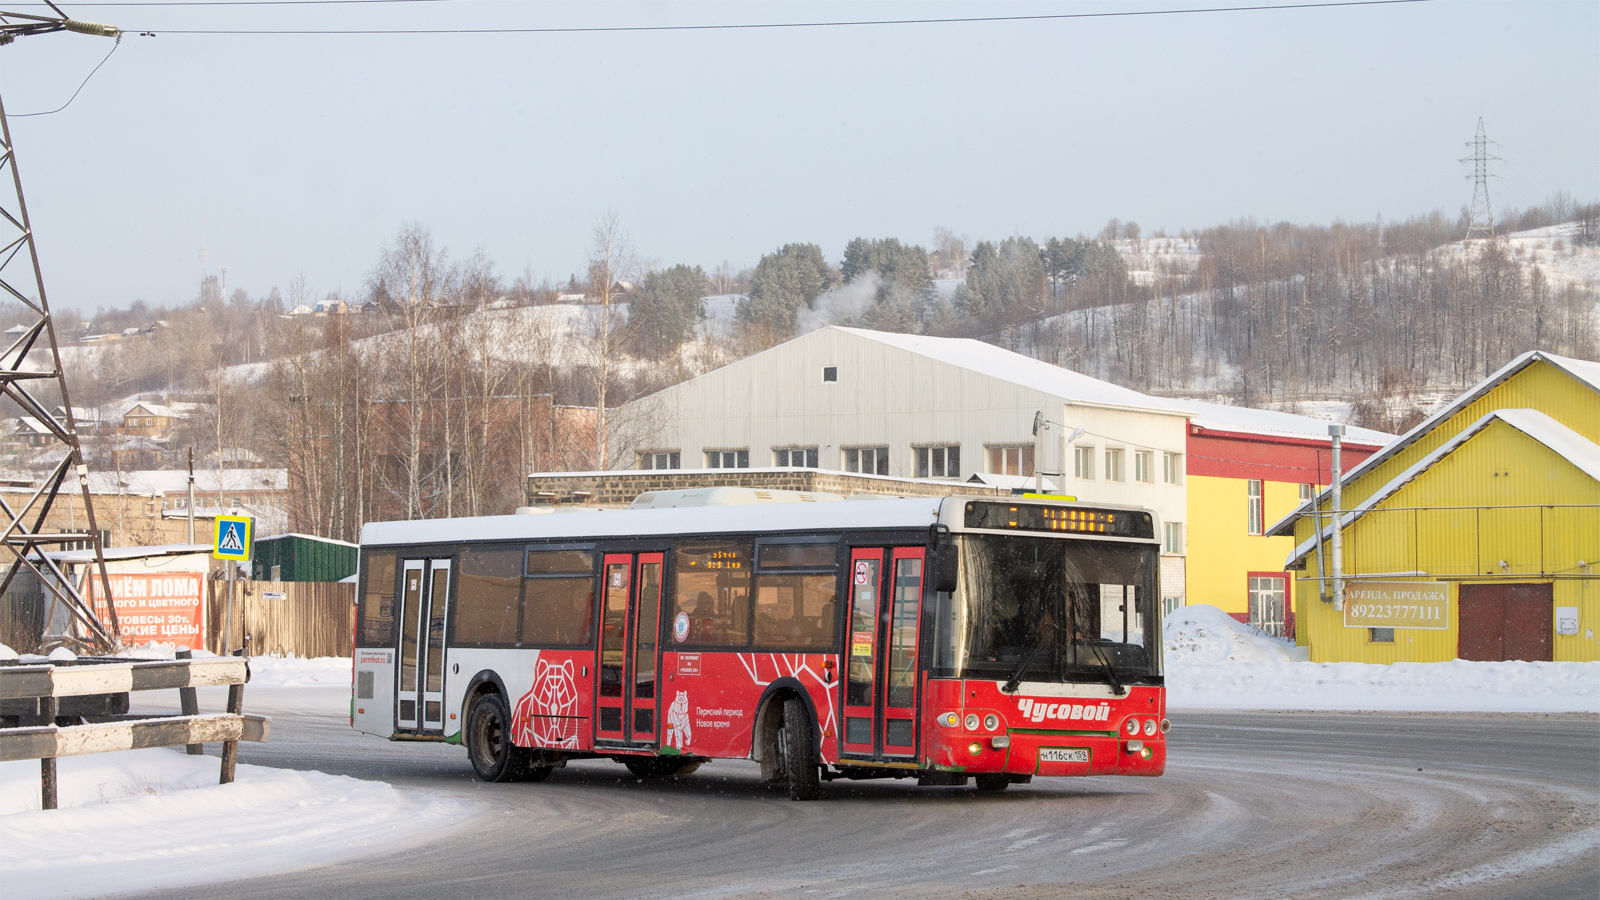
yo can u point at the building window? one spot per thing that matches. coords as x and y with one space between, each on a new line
939 462
1258 511
1267 604
1305 492
1169 605
1172 468
660 459
1380 635
1083 462
1114 464
867 460
1172 538
830 374
1011 460
727 459
1144 466
796 457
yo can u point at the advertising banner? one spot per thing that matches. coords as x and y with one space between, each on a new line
166 607
1397 604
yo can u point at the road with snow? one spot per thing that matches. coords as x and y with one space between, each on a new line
1253 805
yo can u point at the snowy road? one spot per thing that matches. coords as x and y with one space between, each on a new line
1254 805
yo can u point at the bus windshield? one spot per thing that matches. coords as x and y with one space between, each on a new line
1046 609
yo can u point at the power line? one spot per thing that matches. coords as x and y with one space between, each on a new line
76 92
743 26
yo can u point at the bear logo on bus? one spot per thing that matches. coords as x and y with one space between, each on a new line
678 730
545 716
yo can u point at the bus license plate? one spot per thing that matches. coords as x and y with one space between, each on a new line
1064 754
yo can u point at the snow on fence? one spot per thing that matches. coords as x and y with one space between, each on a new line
46 683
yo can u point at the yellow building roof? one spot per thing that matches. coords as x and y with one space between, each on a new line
1582 371
1563 441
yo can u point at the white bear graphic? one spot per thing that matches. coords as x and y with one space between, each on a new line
678 730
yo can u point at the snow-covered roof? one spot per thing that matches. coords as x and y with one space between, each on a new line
113 553
1004 365
176 481
1584 371
1009 482
916 512
30 424
309 537
1268 422
169 410
1563 441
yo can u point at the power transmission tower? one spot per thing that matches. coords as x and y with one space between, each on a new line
22 373
1480 218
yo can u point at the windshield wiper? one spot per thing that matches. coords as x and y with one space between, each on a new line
1010 687
1110 673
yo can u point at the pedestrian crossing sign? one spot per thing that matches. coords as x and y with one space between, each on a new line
233 538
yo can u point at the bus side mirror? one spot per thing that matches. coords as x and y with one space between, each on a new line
945 564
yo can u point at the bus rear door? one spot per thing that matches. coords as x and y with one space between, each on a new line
882 684
630 652
424 603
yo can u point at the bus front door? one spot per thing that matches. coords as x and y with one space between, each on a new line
882 685
626 697
425 600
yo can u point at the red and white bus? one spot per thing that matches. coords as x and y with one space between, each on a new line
946 639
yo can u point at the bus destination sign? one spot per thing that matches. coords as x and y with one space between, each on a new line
1060 519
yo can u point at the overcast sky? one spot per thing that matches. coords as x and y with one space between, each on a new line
286 155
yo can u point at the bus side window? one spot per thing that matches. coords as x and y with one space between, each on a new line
712 594
377 599
558 598
795 611
488 593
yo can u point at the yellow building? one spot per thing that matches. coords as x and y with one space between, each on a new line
1246 469
1496 499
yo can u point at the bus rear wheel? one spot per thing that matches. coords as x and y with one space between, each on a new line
797 746
489 747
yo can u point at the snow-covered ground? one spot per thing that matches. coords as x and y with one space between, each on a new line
1552 249
1214 662
145 819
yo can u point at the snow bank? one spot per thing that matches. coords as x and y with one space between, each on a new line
1206 636
146 819
281 672
1214 662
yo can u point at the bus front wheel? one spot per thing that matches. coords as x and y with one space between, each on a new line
489 747
797 742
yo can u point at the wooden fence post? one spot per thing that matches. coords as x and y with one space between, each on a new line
48 707
230 749
189 702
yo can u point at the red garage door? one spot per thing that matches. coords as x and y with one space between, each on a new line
1505 621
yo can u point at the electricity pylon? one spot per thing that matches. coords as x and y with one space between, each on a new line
1480 218
26 530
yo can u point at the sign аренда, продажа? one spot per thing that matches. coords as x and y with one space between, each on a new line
1397 604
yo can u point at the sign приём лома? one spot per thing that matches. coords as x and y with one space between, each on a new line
162 607
233 538
1397 604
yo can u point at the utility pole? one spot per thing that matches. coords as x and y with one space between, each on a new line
1480 218
26 531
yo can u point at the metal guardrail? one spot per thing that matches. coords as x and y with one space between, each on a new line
47 683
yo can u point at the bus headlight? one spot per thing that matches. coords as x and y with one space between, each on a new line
972 721
975 748
1149 727
1133 727
991 722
